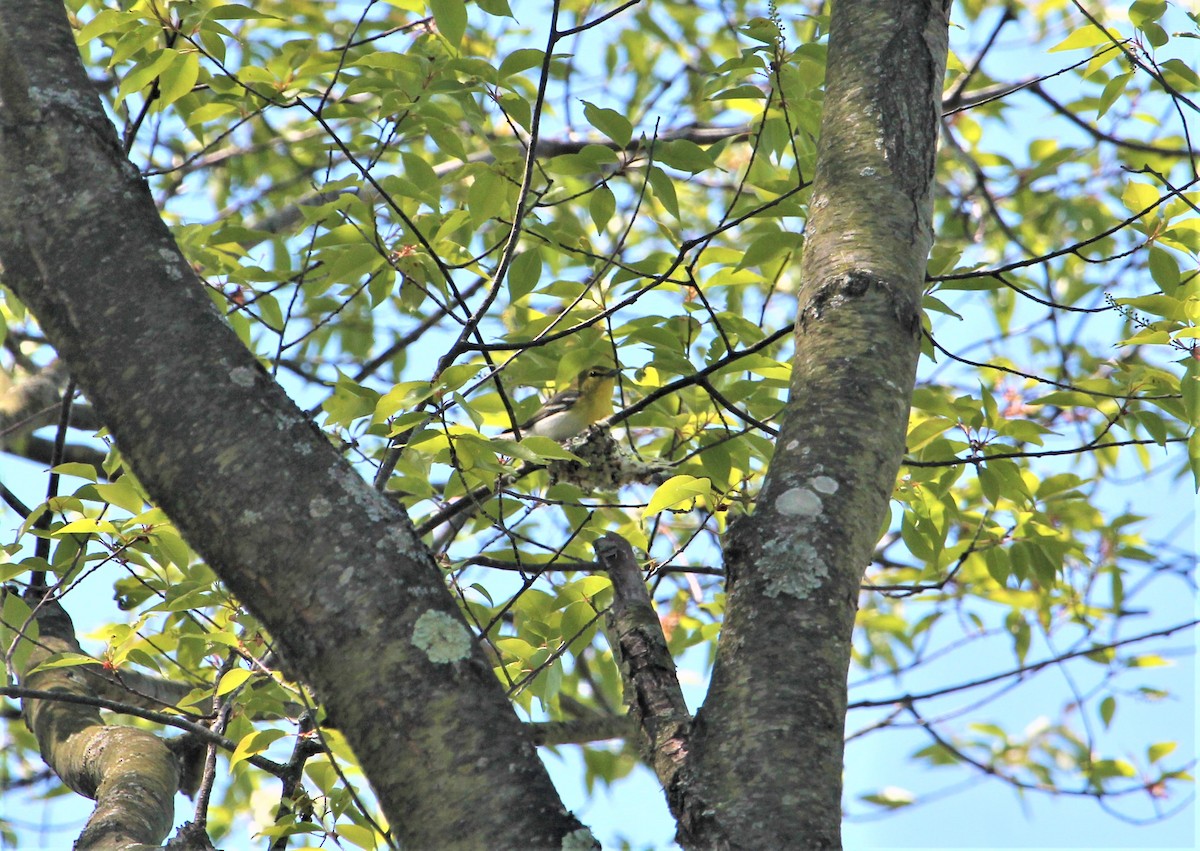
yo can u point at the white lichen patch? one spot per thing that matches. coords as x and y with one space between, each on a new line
319 507
242 376
797 570
824 484
441 638
798 502
579 840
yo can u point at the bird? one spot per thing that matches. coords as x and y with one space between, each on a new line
570 412
564 415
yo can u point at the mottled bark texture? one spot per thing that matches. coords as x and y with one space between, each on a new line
352 597
130 773
652 691
766 749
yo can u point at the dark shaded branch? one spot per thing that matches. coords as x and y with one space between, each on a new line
1099 135
651 688
578 731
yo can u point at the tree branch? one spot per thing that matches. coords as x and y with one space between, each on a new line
651 688
130 773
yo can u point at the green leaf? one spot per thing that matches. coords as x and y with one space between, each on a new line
1181 75
1108 708
349 401
1114 90
1160 305
768 247
997 563
178 78
86 526
521 60
486 198
105 22
17 626
144 73
1142 12
1160 749
234 11
496 8
350 262
455 376
1189 387
524 273
664 190
1138 196
762 29
422 175
1194 457
231 679
601 206
545 449
81 471
1164 269
1022 634
938 306
677 491
611 123
1155 34
1085 36
518 648
357 835
66 660
740 92
451 19
589 160
402 397
269 312
254 743
122 494
683 155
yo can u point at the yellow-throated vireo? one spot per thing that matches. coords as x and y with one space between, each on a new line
569 412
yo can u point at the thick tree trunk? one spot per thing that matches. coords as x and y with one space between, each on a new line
766 750
333 569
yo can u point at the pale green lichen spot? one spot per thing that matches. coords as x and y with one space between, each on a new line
580 840
798 502
441 637
797 572
242 376
824 484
